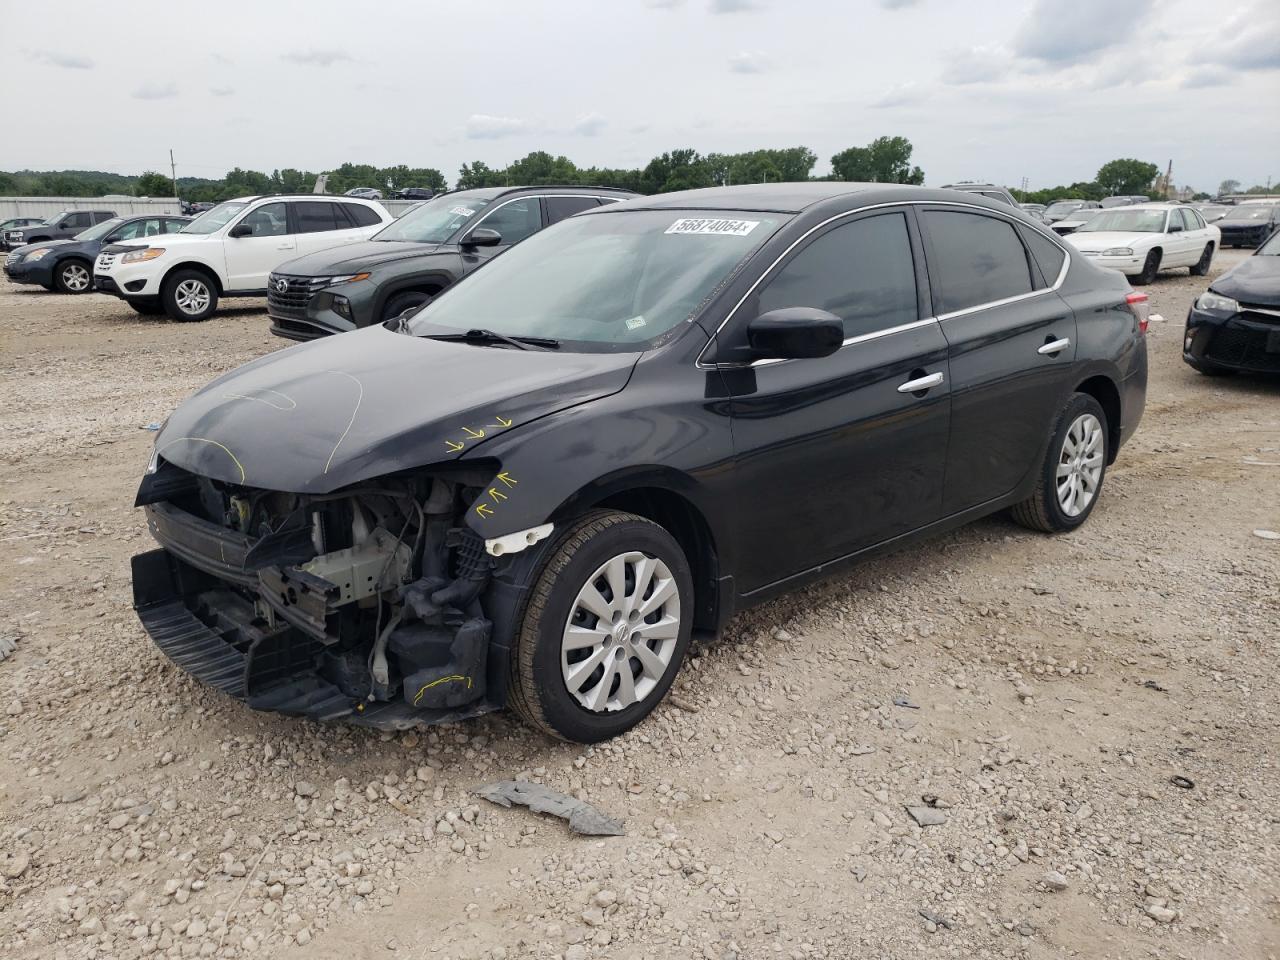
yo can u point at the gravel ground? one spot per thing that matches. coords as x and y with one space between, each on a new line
1041 692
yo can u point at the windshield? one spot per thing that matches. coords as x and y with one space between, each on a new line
434 221
1083 214
101 230
609 281
1126 221
213 220
1271 248
1116 202
1064 206
1252 212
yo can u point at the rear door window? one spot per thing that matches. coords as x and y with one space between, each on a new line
974 260
317 216
560 207
863 272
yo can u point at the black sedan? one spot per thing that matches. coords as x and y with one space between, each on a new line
1235 324
67 265
1248 224
629 426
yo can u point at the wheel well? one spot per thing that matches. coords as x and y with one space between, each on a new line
198 267
427 288
685 522
74 258
1105 392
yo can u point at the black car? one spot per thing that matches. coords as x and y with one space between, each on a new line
1248 224
414 193
414 258
67 265
631 425
1235 324
15 223
66 224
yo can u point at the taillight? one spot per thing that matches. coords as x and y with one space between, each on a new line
1137 303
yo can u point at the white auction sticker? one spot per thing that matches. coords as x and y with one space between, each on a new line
729 228
462 211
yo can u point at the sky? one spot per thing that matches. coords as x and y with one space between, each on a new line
993 90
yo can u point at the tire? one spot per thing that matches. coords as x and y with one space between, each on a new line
539 686
148 308
73 276
1045 509
1150 268
402 302
189 296
1201 267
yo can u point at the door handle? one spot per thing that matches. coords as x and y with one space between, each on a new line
1054 346
922 383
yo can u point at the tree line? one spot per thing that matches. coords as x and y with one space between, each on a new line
883 160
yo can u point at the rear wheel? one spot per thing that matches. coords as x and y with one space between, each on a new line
605 628
72 276
402 302
1201 266
189 295
1150 268
1073 470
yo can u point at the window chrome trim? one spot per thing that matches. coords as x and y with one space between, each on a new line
1062 276
534 196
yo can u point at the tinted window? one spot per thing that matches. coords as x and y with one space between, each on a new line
318 217
77 220
975 260
1048 255
361 215
515 220
268 220
862 272
560 207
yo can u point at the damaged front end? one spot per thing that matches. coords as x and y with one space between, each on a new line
364 603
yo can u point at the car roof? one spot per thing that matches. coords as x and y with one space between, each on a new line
302 196
490 193
796 197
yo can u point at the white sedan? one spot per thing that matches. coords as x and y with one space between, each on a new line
1144 239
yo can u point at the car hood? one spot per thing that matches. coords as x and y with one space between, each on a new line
43 244
355 257
1255 280
323 415
1106 239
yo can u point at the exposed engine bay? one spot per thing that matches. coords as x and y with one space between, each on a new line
363 603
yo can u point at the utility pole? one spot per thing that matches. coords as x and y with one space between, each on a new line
173 172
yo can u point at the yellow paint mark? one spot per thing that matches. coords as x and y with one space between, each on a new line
239 465
494 492
508 479
503 421
474 434
453 446
484 510
456 678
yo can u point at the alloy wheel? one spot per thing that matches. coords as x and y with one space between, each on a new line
622 633
1080 464
75 278
192 297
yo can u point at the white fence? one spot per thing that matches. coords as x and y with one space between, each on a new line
45 207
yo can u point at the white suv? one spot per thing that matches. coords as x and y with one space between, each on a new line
230 250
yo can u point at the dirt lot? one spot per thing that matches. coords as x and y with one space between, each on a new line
1056 686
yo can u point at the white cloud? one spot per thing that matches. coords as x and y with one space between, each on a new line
67 61
1063 34
316 57
976 65
898 4
733 6
1206 77
589 125
1248 41
903 95
222 91
749 61
663 4
151 90
482 126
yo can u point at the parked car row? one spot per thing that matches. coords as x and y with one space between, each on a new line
67 265
60 226
1142 240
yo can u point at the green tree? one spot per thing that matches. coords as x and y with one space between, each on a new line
883 160
1128 176
478 174
1228 186
152 184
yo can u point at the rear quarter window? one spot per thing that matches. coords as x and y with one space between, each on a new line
974 260
361 215
1048 256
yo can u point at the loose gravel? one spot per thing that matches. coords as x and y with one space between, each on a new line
995 744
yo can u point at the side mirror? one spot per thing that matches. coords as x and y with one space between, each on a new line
241 230
65 225
1175 228
114 238
794 333
481 237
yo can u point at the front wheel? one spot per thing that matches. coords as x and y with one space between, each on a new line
402 302
1201 266
1073 470
1150 267
72 276
605 628
189 295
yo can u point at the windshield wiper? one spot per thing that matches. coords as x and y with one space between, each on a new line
478 335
